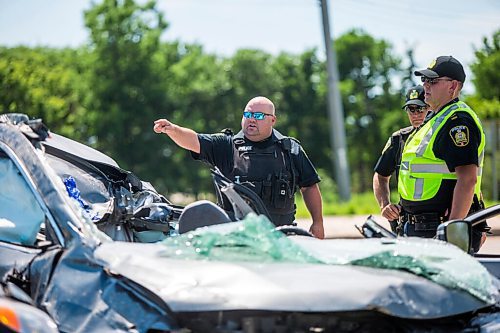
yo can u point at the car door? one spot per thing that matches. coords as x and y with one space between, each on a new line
25 228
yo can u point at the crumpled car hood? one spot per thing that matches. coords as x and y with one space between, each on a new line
224 267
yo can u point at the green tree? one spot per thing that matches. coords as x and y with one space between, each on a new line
301 103
486 68
45 83
197 87
126 81
486 102
366 67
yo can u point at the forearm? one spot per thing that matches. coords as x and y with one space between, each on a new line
381 190
185 138
463 192
383 195
313 202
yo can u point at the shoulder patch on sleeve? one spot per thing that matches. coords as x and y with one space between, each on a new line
460 135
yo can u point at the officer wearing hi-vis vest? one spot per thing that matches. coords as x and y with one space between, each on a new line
390 159
272 165
442 162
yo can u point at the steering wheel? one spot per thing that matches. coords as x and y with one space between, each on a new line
292 230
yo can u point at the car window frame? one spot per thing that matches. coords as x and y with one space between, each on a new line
59 238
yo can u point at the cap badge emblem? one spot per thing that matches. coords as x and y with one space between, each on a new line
413 94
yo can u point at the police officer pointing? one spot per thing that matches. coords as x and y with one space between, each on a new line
274 165
441 165
390 158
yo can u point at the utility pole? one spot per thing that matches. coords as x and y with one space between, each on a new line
335 112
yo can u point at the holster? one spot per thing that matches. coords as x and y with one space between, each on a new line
394 226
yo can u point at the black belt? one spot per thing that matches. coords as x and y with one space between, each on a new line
424 218
424 221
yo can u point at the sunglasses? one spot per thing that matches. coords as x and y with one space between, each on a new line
433 81
256 115
413 109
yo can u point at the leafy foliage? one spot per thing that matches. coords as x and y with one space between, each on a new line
486 68
45 83
127 90
366 66
486 103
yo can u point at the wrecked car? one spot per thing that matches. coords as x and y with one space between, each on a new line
100 250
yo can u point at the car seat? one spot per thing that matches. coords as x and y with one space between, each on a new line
201 214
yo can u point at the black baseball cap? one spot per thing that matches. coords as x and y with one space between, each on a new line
415 96
444 66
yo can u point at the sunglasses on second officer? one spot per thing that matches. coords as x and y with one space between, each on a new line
415 109
256 115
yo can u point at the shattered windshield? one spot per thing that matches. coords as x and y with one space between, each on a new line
254 239
86 224
85 186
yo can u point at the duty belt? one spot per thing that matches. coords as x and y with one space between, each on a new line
425 221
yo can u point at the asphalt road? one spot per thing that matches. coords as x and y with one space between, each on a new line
345 227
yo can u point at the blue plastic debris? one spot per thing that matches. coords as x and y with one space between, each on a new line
74 193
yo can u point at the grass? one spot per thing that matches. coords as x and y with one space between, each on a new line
360 204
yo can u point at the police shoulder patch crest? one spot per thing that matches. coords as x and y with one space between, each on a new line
460 135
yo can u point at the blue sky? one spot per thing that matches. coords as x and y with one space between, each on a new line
431 27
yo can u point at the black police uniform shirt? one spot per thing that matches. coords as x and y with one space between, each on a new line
217 150
446 147
390 159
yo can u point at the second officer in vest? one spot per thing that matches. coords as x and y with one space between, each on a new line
390 159
274 166
441 165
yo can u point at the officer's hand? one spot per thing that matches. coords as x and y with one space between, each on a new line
317 230
163 126
391 212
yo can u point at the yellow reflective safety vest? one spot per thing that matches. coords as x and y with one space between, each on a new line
421 172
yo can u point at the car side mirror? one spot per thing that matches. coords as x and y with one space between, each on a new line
457 232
